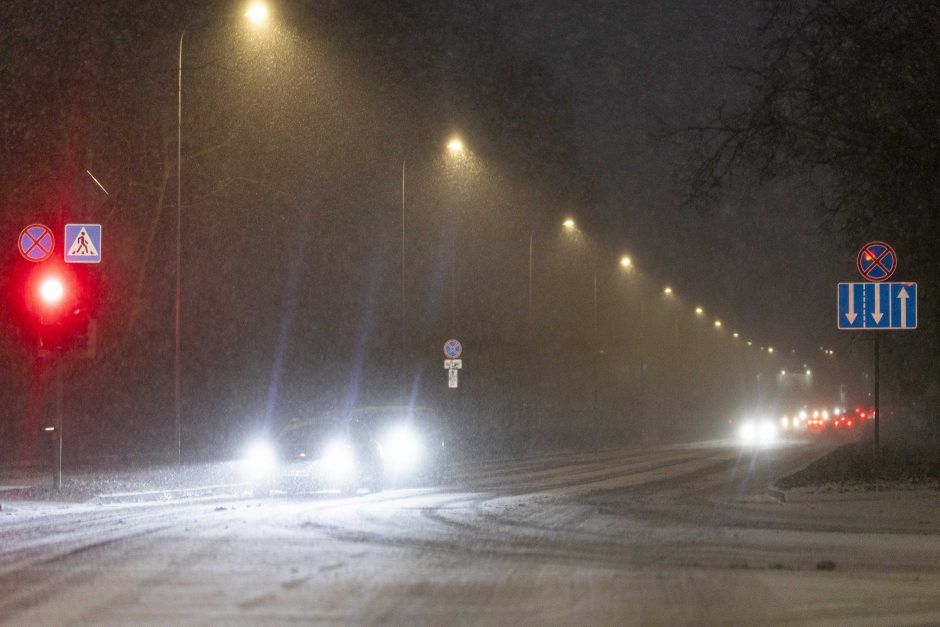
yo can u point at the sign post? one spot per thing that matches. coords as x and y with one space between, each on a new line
452 362
877 305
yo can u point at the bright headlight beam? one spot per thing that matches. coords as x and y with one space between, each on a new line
260 459
401 449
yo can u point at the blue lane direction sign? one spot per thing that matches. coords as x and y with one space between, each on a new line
904 305
877 306
851 305
83 243
876 300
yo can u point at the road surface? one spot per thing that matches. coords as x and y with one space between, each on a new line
672 536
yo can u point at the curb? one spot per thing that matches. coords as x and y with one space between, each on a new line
169 495
777 494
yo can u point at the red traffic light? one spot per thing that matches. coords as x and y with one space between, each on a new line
51 290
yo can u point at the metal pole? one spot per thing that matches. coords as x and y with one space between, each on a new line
529 316
57 468
877 407
453 296
595 357
404 359
179 264
641 332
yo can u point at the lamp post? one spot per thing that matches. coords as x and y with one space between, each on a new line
257 13
456 149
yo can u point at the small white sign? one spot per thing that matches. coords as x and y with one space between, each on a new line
452 378
456 364
448 364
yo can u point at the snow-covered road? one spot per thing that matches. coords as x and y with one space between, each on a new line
672 536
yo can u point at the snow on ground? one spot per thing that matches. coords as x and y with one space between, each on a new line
674 536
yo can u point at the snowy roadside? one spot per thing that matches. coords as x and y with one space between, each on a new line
152 483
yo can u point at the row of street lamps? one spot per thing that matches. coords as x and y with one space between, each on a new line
257 14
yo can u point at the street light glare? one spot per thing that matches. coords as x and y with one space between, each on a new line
770 349
717 324
625 261
568 223
455 145
257 13
667 290
699 311
735 335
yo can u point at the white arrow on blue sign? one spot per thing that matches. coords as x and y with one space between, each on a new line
876 306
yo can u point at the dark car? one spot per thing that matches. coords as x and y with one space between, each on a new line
316 454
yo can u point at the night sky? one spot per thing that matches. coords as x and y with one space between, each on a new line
294 140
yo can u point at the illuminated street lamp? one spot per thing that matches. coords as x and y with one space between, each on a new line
699 311
667 290
626 262
770 349
735 335
717 324
257 14
455 145
568 223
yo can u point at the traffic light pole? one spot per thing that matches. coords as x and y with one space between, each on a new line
57 452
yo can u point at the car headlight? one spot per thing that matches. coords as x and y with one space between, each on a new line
260 460
339 459
758 432
401 449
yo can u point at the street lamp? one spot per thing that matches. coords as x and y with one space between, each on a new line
455 145
667 291
699 311
626 262
717 324
456 148
568 224
257 14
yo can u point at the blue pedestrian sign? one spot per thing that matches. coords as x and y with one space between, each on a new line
877 306
83 243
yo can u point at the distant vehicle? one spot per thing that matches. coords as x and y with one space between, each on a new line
316 454
756 431
816 424
843 421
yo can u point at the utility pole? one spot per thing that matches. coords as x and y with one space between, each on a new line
877 386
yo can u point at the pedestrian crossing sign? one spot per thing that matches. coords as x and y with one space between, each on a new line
83 243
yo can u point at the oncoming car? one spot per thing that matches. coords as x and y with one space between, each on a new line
368 449
411 443
316 454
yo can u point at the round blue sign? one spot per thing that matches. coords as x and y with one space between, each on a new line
452 349
877 261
